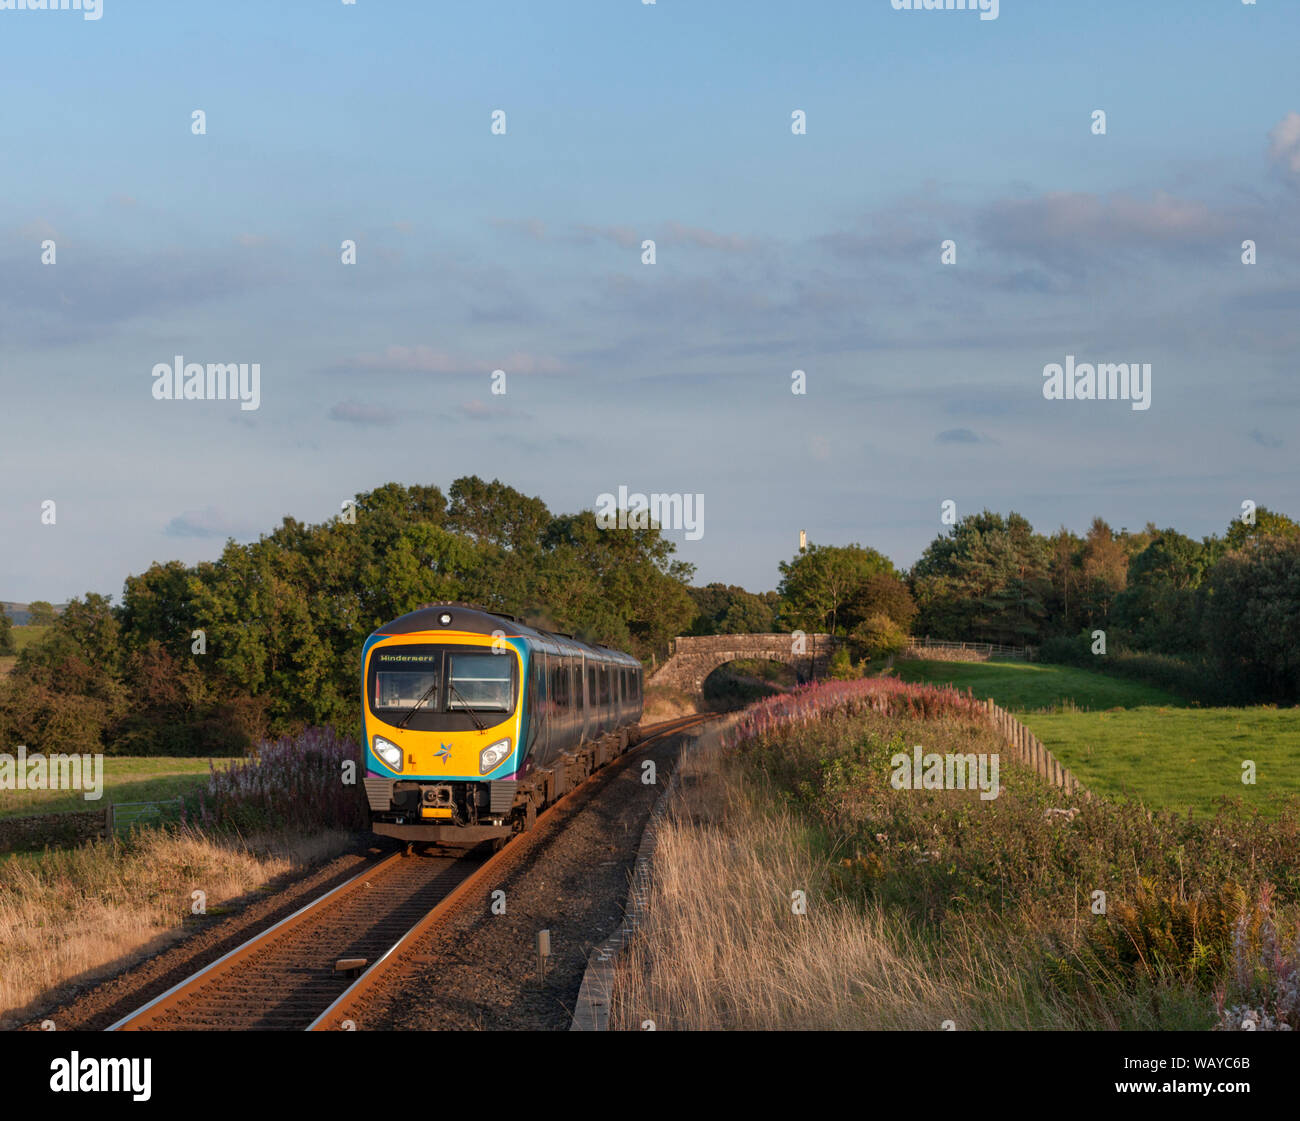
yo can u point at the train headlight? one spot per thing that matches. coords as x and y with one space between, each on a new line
490 757
390 753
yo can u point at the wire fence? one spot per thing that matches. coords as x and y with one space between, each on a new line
971 651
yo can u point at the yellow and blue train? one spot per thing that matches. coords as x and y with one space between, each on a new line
474 721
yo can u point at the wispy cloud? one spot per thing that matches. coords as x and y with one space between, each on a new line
625 237
355 412
958 436
207 522
702 238
1065 222
534 228
423 359
1284 144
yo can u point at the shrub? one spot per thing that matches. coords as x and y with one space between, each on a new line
878 637
842 667
293 783
1028 861
1265 979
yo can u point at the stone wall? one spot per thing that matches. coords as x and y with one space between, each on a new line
942 654
61 830
694 657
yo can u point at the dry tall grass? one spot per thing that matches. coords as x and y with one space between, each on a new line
662 702
720 947
88 912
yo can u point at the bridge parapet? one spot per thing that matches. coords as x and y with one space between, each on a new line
694 657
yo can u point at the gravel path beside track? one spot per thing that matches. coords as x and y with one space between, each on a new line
480 970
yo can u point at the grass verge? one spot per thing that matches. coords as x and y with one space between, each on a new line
924 907
83 914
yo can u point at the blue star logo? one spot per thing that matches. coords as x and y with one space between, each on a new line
443 752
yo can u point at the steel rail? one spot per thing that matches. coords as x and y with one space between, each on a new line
342 1010
514 850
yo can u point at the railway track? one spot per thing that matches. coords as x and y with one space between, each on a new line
312 969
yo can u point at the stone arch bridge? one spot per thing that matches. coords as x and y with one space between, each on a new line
695 657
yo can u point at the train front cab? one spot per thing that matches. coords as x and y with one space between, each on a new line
449 764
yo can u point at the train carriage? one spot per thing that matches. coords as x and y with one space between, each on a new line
474 721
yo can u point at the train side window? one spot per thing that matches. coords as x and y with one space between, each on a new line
534 688
591 685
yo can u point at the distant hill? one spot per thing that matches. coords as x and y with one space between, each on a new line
17 612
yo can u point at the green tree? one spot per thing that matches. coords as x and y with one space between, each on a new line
1252 615
818 584
729 609
615 582
881 594
496 514
157 606
6 633
65 691
1267 523
842 667
40 613
1105 571
878 636
284 618
1159 608
1065 575
987 580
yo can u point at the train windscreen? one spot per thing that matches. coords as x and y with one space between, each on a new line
480 682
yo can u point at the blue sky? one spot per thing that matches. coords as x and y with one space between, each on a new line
775 252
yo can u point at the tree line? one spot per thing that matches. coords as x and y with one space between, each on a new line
207 658
265 640
1217 619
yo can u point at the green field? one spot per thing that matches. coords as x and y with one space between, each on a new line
26 636
127 778
1028 686
1179 759
23 637
1135 739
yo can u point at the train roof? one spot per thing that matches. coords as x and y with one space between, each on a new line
468 619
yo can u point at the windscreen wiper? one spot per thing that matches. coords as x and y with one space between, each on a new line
423 697
465 705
